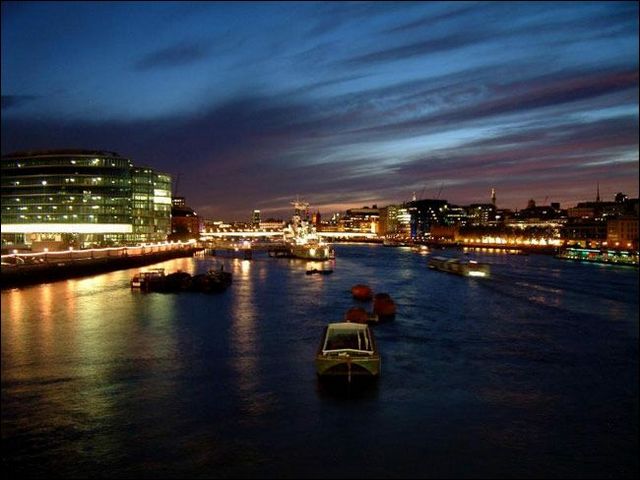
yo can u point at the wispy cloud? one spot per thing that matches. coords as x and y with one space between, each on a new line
173 56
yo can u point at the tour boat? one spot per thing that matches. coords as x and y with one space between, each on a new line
347 351
466 268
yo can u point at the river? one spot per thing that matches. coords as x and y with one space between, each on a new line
532 372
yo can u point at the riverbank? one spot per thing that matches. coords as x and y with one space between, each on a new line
33 273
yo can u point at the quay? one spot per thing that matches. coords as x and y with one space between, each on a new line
21 269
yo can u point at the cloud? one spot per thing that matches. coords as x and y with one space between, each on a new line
173 56
515 98
433 19
260 151
438 44
16 101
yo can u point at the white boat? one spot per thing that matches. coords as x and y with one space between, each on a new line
348 350
466 268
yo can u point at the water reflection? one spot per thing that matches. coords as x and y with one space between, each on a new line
243 336
98 378
15 337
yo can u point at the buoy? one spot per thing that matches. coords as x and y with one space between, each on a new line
361 292
356 315
384 306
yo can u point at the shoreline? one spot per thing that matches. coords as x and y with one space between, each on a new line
33 274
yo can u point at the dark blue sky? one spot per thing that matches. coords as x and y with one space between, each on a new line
344 104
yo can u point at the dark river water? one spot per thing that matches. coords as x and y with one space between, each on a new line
530 373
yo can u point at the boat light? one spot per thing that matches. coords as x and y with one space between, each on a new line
477 274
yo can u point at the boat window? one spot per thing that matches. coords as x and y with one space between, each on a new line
340 341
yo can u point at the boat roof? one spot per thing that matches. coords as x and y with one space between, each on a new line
348 326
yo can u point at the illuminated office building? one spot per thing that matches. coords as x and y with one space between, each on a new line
255 219
82 198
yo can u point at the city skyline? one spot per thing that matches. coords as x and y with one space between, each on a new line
343 104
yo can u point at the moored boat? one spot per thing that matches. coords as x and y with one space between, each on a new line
592 255
220 278
146 280
466 268
321 271
213 281
347 350
302 239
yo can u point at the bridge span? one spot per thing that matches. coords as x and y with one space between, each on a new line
204 236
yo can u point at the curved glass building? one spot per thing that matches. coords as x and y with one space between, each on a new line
82 198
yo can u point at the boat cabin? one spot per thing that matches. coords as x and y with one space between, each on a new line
348 337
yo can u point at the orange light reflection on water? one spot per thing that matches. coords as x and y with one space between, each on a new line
243 337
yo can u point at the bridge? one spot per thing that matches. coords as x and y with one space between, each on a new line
204 236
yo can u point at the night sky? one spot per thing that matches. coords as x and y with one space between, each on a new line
343 104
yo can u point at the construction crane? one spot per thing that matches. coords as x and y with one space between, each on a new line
175 185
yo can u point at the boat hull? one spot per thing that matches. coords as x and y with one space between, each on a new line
348 366
305 252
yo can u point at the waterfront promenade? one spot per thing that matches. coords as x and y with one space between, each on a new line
33 268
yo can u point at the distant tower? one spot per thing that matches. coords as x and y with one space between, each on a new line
255 218
598 192
413 198
316 219
493 196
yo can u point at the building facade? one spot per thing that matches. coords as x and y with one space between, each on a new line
622 233
81 198
185 222
424 214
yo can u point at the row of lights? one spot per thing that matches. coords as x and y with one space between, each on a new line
70 249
